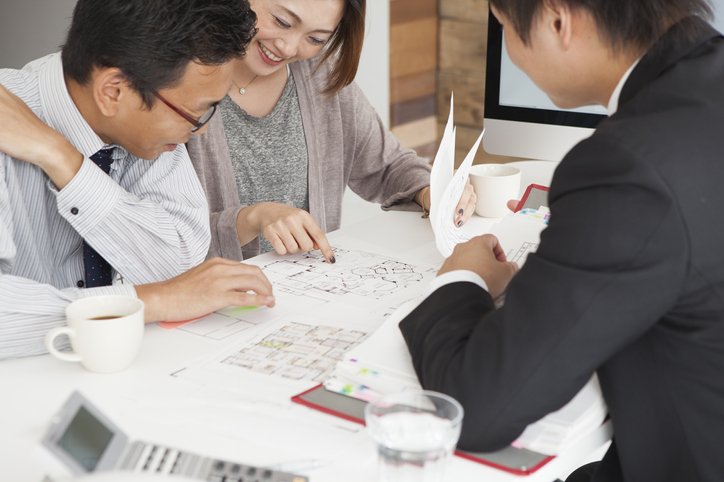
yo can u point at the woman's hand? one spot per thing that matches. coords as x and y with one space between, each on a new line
464 208
288 229
466 205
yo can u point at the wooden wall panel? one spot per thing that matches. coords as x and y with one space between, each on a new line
413 47
463 47
475 11
406 10
462 54
413 72
403 112
438 47
418 133
404 88
469 97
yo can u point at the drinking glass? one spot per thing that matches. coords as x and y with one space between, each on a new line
416 432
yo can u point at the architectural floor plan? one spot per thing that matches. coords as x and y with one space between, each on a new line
298 351
322 310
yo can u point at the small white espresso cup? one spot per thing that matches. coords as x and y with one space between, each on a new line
494 186
105 332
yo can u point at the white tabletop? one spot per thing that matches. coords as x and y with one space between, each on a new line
251 421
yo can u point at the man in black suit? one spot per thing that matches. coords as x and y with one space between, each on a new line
628 280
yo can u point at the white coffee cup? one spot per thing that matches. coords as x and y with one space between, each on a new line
105 332
494 185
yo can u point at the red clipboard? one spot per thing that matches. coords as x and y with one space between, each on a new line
511 459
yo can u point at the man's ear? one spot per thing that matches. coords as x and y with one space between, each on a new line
110 90
558 19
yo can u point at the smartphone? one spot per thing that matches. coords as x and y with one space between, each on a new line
534 197
518 461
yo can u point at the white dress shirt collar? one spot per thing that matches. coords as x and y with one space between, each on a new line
613 101
60 110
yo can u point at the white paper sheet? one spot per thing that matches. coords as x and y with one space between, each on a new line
323 310
446 189
519 233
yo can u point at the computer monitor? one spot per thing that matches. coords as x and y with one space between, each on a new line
520 119
718 14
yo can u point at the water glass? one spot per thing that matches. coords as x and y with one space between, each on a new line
416 432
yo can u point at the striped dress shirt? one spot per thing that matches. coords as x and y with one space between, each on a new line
148 219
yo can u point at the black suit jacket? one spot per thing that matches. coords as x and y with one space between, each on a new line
628 281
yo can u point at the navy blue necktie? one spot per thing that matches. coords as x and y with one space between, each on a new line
97 270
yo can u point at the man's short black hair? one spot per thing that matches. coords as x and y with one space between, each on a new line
152 41
625 23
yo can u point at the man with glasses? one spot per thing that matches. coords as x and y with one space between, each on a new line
196 124
97 193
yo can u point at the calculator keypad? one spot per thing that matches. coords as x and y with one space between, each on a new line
143 457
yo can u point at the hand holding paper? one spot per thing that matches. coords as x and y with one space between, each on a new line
484 256
446 189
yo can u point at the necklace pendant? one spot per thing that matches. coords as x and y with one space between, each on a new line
242 91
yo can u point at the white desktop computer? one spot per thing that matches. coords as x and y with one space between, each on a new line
520 119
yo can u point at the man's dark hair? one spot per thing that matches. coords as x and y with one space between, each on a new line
637 23
152 41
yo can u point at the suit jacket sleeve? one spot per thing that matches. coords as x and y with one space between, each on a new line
613 256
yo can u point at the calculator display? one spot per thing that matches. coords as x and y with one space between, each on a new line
85 439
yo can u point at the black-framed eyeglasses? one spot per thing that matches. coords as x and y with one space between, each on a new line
196 123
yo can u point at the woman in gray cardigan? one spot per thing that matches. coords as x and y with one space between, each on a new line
295 131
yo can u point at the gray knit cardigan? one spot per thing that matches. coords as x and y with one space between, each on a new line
347 145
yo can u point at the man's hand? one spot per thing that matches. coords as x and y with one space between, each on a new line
483 255
212 285
25 137
288 229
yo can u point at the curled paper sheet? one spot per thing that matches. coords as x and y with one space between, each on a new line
446 187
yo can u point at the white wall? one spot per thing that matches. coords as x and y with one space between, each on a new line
32 28
719 13
373 76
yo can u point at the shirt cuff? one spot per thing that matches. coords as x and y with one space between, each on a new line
456 276
88 198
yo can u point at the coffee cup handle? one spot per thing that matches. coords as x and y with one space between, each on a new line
50 340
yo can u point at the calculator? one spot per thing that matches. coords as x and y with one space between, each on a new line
85 440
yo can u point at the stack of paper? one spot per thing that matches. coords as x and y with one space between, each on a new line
519 233
559 429
381 364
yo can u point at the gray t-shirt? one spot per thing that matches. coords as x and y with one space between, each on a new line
268 154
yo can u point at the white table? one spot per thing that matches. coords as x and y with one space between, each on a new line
252 422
